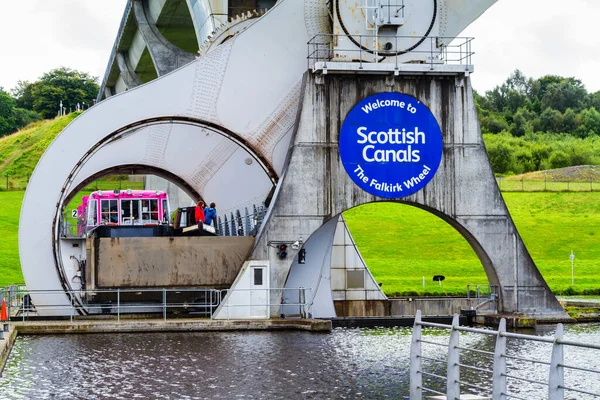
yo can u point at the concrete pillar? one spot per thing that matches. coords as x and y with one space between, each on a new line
315 187
127 73
165 56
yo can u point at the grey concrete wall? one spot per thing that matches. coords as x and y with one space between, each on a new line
433 306
402 307
464 193
165 261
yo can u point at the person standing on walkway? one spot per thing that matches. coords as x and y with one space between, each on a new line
199 213
210 214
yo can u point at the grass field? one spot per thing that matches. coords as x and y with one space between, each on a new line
10 269
401 244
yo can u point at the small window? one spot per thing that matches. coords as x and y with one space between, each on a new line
92 217
109 211
355 279
258 276
150 211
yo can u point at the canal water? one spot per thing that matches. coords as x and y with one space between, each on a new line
346 364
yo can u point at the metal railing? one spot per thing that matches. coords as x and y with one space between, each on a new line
322 49
166 302
487 297
269 302
499 371
241 222
548 185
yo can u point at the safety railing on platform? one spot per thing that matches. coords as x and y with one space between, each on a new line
495 368
166 302
322 50
241 222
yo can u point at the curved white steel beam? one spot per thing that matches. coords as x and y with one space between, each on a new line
225 89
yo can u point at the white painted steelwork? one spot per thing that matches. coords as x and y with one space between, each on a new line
198 125
398 30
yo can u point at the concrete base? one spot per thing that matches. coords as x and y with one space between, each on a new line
403 307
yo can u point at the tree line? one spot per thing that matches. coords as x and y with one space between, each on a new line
32 101
528 124
536 124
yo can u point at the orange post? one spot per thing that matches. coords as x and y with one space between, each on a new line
3 314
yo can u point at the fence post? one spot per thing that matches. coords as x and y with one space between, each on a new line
118 305
522 189
453 371
556 379
416 378
499 374
247 222
164 304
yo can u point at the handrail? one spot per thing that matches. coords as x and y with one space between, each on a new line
116 302
500 373
325 48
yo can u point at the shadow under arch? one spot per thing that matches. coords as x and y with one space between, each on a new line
316 274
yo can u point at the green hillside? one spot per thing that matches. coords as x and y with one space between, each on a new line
20 152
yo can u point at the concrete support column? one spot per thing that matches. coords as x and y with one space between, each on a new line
315 186
127 73
165 56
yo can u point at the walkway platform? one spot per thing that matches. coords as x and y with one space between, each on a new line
126 325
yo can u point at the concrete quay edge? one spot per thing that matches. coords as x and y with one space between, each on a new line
6 345
169 325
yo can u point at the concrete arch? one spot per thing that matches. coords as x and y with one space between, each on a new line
316 274
315 186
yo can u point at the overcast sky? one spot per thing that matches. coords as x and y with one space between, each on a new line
538 37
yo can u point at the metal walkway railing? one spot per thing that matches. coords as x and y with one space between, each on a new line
242 222
499 371
176 301
322 51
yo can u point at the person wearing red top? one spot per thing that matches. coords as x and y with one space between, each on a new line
199 213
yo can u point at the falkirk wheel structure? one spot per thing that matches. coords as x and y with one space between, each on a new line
311 106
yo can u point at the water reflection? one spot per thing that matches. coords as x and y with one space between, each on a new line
349 363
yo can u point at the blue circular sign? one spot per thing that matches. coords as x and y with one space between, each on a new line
391 145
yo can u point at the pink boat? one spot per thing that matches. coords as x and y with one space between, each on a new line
123 208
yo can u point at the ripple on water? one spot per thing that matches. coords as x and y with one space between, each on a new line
346 364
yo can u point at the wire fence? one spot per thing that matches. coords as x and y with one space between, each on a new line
10 182
18 183
546 185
